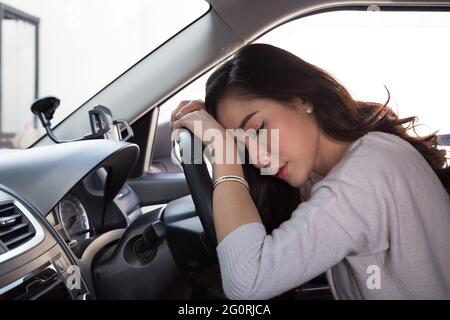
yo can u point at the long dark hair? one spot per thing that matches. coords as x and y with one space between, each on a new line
265 71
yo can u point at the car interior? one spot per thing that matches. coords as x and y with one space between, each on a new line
98 208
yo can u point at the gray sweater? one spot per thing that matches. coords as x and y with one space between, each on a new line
378 224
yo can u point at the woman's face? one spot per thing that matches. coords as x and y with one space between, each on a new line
297 131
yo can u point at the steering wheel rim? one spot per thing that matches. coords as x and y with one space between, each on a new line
199 182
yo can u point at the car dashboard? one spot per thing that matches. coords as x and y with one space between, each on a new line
55 201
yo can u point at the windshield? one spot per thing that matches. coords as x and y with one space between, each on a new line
71 49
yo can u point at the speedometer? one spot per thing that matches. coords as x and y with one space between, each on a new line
73 218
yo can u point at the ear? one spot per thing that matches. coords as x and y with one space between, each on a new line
297 103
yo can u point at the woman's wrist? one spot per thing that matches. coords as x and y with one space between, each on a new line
226 158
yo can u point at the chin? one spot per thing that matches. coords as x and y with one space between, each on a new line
298 181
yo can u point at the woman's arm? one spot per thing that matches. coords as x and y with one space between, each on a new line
232 203
255 265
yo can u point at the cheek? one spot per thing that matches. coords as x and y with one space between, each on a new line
298 146
296 142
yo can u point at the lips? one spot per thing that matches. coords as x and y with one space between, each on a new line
281 173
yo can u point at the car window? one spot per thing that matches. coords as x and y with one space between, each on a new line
82 46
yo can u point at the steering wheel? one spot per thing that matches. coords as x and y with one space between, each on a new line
199 182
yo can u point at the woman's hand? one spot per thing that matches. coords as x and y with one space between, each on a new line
192 115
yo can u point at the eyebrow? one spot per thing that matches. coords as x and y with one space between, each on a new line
246 119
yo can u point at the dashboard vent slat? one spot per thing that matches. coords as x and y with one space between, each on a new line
12 229
9 220
7 208
15 228
19 239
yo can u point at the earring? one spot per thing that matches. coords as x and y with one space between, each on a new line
309 109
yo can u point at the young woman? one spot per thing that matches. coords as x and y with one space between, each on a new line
378 221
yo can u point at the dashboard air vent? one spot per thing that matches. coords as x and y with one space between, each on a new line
15 228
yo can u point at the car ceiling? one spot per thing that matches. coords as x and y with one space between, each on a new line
228 25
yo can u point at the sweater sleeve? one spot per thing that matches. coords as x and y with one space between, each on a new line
319 234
